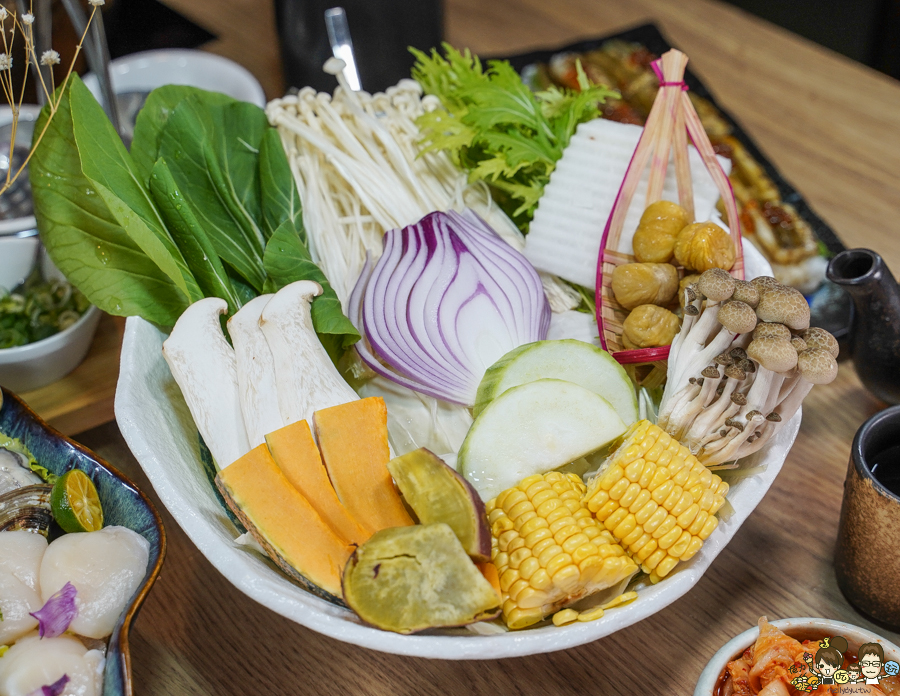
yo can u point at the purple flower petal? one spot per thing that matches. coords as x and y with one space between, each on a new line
54 689
59 611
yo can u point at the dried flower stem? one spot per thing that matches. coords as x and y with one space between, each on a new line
53 97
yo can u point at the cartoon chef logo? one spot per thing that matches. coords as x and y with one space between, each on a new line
826 666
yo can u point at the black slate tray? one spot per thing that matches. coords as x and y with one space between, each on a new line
831 306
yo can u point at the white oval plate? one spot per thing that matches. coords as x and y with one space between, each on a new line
156 424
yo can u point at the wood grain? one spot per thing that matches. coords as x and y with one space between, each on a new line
84 398
830 126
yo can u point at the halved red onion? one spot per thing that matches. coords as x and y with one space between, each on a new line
446 300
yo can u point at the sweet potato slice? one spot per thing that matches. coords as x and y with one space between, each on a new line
284 523
436 493
296 454
408 579
354 445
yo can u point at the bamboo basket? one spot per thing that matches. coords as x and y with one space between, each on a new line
671 121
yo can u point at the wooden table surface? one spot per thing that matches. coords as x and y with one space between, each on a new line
831 127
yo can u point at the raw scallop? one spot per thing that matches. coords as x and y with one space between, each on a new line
20 564
35 662
106 568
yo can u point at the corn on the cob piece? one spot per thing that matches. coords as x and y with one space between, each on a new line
656 499
548 549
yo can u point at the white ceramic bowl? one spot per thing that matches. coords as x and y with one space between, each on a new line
148 70
801 629
40 363
156 424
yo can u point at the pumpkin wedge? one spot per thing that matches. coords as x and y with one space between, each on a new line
284 523
296 454
353 441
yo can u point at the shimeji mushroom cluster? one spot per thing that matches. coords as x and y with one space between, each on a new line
741 365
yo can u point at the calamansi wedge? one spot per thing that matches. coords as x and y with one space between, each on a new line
75 503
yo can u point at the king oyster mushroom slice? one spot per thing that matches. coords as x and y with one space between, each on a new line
784 305
203 365
307 379
255 371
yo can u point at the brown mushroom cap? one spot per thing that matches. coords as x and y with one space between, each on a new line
784 305
817 365
737 317
716 284
820 338
798 343
764 283
746 292
764 329
774 354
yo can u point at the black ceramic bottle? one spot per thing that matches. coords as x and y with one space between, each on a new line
875 330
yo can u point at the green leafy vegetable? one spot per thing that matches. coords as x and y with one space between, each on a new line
84 238
287 260
213 153
204 205
111 171
498 129
192 241
153 117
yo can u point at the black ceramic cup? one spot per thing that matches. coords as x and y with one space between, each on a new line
867 557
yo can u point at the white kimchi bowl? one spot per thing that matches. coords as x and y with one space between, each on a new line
801 629
148 402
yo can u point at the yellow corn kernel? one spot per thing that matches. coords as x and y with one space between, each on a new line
643 497
519 555
548 548
665 566
667 526
642 515
655 498
625 527
614 519
606 510
693 547
708 528
575 541
566 616
698 522
591 614
656 519
623 598
680 546
611 477
653 560
686 518
630 495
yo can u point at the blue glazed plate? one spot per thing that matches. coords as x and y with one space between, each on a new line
123 504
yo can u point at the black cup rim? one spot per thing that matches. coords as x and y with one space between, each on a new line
893 412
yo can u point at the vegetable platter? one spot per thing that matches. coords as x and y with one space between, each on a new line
357 374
